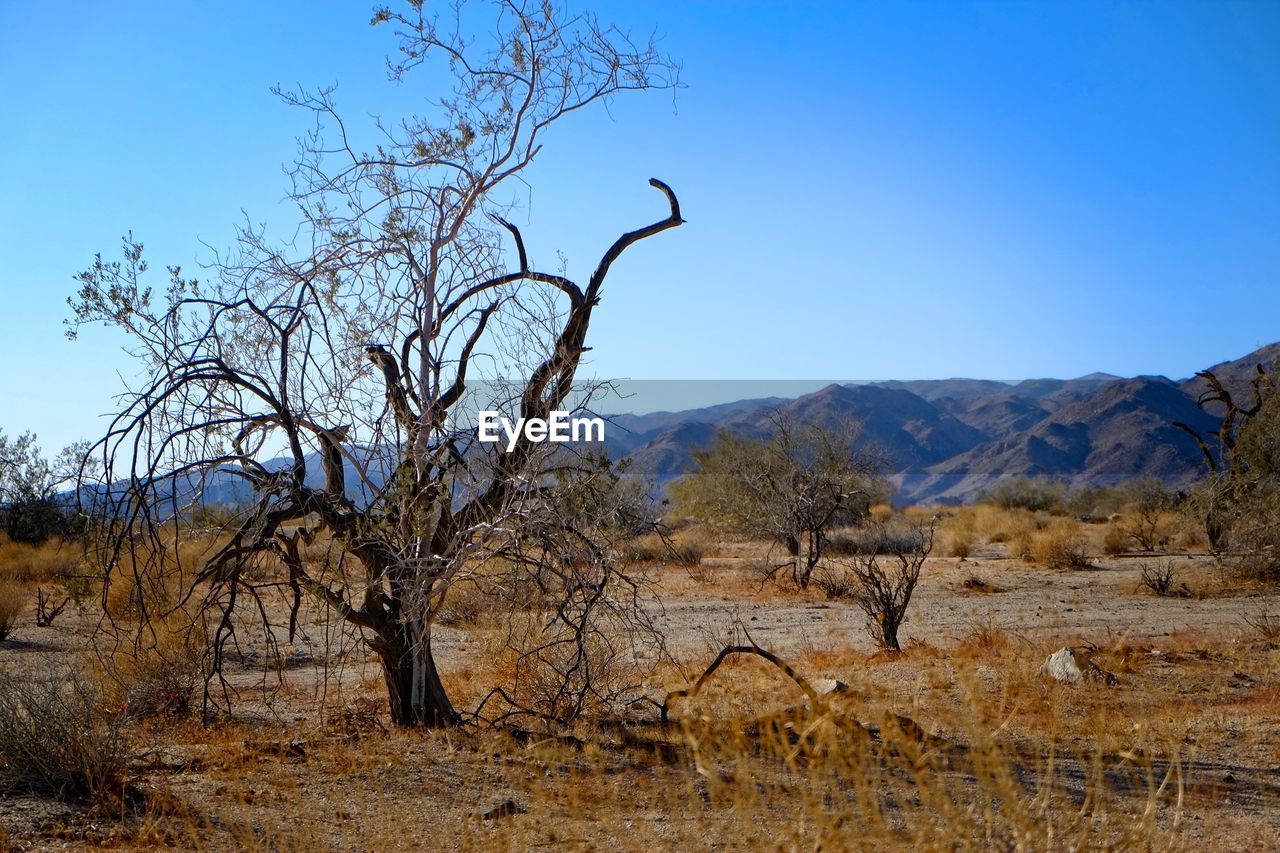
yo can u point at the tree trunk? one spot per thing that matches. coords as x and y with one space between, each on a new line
414 691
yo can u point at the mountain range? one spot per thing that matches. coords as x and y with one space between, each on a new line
944 440
947 440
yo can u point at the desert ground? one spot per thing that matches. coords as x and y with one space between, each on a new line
960 740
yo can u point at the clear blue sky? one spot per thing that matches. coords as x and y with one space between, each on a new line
874 190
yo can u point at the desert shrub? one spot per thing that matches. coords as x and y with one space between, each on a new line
158 674
1116 540
1159 576
1149 516
57 738
881 578
874 539
792 487
686 547
1034 494
49 608
997 525
50 561
1060 545
12 598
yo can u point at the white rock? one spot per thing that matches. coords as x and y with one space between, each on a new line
1065 665
1072 667
824 686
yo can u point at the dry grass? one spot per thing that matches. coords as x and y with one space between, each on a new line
13 599
1059 545
53 561
953 744
687 546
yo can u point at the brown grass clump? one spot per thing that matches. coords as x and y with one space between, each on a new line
54 560
1115 541
960 532
1060 545
686 547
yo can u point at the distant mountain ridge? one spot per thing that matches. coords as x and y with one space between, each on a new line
949 439
944 440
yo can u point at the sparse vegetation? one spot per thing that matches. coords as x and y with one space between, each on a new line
1060 545
56 738
1033 495
309 604
881 577
792 487
1159 576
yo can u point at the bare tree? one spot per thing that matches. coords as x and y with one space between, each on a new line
790 487
883 583
1218 498
333 377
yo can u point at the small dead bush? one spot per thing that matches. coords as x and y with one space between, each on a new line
48 608
158 674
1159 577
57 739
1267 625
973 583
881 578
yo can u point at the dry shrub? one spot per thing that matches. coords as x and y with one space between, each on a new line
1149 530
158 672
1159 577
1267 625
881 576
874 539
880 513
466 603
12 599
1061 545
1010 526
57 738
1115 541
686 547
52 561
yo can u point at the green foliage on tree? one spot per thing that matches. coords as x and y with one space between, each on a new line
791 487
